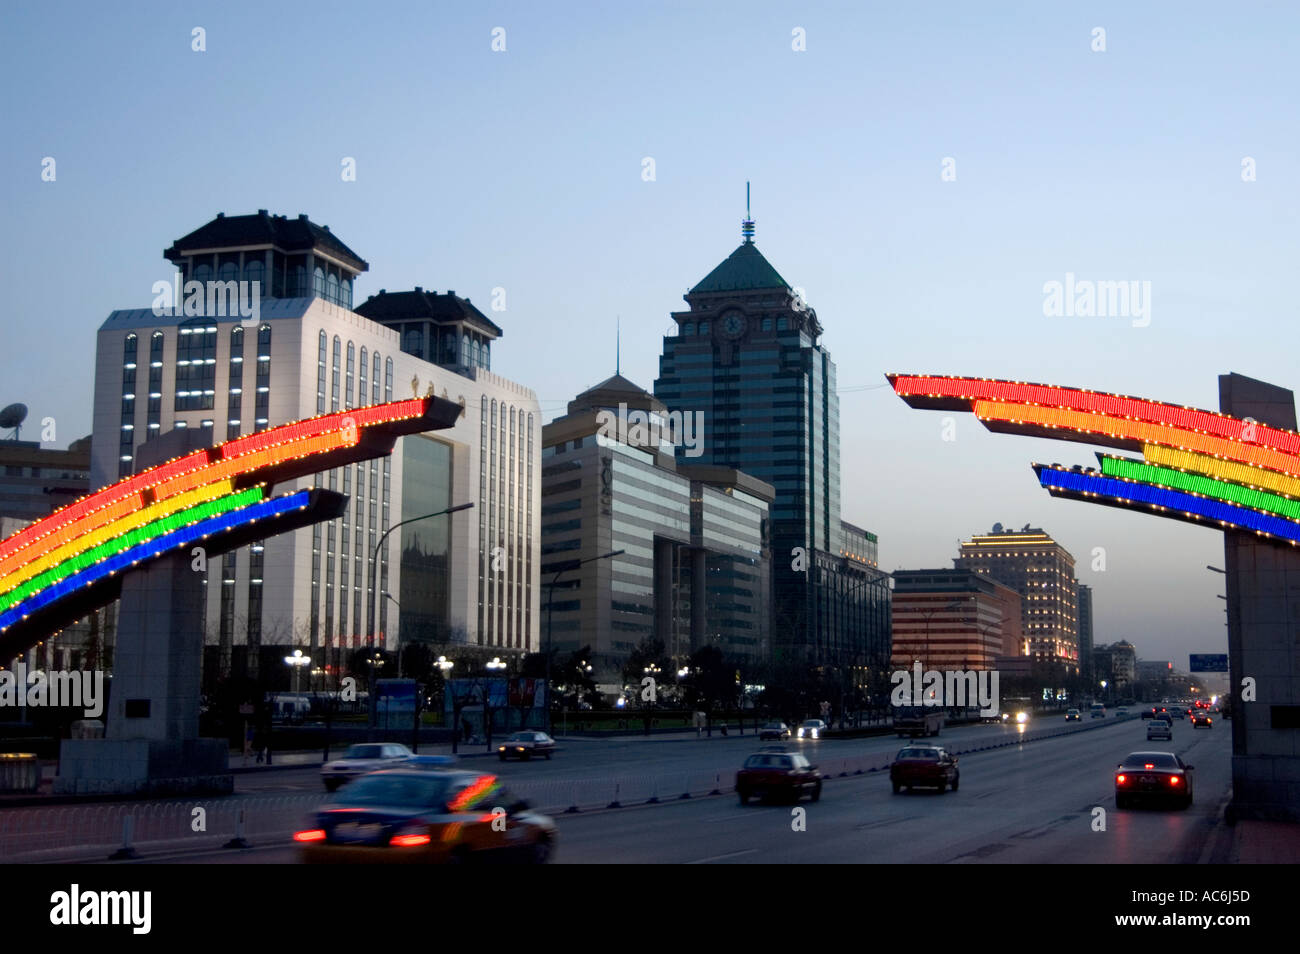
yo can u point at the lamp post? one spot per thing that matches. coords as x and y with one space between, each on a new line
374 563
550 615
652 671
297 661
445 666
389 596
494 665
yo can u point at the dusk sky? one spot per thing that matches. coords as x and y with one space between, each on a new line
523 169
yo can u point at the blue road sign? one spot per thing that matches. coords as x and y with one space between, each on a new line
1208 662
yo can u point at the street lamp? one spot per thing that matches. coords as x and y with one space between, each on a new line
388 595
374 563
297 661
550 615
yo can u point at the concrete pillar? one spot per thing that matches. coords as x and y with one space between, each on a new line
1263 583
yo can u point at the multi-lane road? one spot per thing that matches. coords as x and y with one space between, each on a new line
1032 802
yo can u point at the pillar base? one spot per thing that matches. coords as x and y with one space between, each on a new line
144 767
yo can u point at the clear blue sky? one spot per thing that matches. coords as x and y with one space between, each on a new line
522 170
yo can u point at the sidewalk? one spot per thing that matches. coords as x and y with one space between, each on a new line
1265 843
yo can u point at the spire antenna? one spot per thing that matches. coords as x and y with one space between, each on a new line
618 344
747 226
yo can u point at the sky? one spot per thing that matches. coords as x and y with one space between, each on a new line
1169 156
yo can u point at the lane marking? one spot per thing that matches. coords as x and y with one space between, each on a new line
730 854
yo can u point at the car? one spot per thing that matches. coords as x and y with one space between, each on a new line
431 762
414 815
1098 711
812 729
924 765
773 774
774 730
1178 712
360 759
1153 775
1121 711
1160 729
1072 715
524 745
1202 720
1151 713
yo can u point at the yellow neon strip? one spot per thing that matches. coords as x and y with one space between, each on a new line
1222 469
1139 431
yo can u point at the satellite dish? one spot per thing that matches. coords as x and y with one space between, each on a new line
12 417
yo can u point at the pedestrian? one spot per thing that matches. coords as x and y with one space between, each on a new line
259 745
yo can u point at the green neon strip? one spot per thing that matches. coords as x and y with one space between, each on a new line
157 528
1205 486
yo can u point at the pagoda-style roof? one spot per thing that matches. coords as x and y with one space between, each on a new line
262 229
424 305
745 269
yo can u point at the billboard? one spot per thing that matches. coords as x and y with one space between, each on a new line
395 703
1208 662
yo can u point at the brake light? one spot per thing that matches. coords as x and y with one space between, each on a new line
1149 765
408 841
1174 780
1121 779
315 834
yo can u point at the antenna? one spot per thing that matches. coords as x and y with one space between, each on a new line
747 226
618 344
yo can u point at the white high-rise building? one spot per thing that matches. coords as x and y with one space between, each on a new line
468 577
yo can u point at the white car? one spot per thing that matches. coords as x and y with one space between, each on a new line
1160 729
360 759
812 729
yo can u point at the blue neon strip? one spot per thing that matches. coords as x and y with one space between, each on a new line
150 549
1170 499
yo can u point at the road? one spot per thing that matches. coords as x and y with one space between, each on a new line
1022 803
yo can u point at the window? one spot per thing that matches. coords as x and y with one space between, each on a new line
320 373
255 271
263 400
196 366
235 398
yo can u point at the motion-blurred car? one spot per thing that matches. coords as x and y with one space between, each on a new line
812 729
1202 720
774 730
360 759
1121 711
776 774
524 745
431 762
410 815
924 766
1153 775
1072 715
1160 729
1178 712
1098 711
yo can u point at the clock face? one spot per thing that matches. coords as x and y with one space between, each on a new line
732 325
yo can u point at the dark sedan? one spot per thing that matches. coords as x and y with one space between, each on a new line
778 774
774 730
1158 776
924 766
524 745
414 815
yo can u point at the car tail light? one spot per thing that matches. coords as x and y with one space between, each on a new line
1174 780
315 834
411 840
1121 779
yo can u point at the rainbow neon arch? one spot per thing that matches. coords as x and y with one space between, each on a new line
1199 466
59 568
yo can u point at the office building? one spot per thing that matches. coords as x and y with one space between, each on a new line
467 577
953 620
694 570
1042 572
747 362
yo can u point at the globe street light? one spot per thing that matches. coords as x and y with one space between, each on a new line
297 661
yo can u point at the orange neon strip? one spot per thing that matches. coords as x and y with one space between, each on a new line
1112 405
1139 431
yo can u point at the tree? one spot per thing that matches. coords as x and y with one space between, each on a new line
710 681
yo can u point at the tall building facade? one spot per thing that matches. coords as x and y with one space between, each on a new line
35 480
471 576
954 619
746 359
1042 572
694 570
1084 592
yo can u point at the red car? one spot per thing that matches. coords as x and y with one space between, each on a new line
1154 775
924 766
776 774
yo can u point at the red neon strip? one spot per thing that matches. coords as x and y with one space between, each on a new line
1140 431
1112 405
335 421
